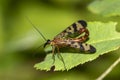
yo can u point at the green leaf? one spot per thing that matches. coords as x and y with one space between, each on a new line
105 7
102 35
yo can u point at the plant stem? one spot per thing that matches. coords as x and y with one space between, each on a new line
108 70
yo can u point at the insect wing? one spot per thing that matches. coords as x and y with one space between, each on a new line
83 47
73 30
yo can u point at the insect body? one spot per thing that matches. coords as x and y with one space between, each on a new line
65 38
73 36
70 37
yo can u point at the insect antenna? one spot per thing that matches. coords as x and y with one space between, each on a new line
36 29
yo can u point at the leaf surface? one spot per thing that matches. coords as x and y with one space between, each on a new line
105 7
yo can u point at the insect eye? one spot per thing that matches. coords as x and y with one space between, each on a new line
47 42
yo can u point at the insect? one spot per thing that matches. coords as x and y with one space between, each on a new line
73 36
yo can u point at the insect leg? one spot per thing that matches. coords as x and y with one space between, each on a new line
53 55
60 57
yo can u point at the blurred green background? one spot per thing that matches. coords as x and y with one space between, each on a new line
18 39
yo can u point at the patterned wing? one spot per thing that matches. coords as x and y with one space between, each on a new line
83 47
74 30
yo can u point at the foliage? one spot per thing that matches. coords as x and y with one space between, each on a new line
18 38
105 7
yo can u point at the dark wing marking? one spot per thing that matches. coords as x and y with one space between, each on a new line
73 30
83 47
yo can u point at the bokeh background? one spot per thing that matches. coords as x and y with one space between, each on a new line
19 40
